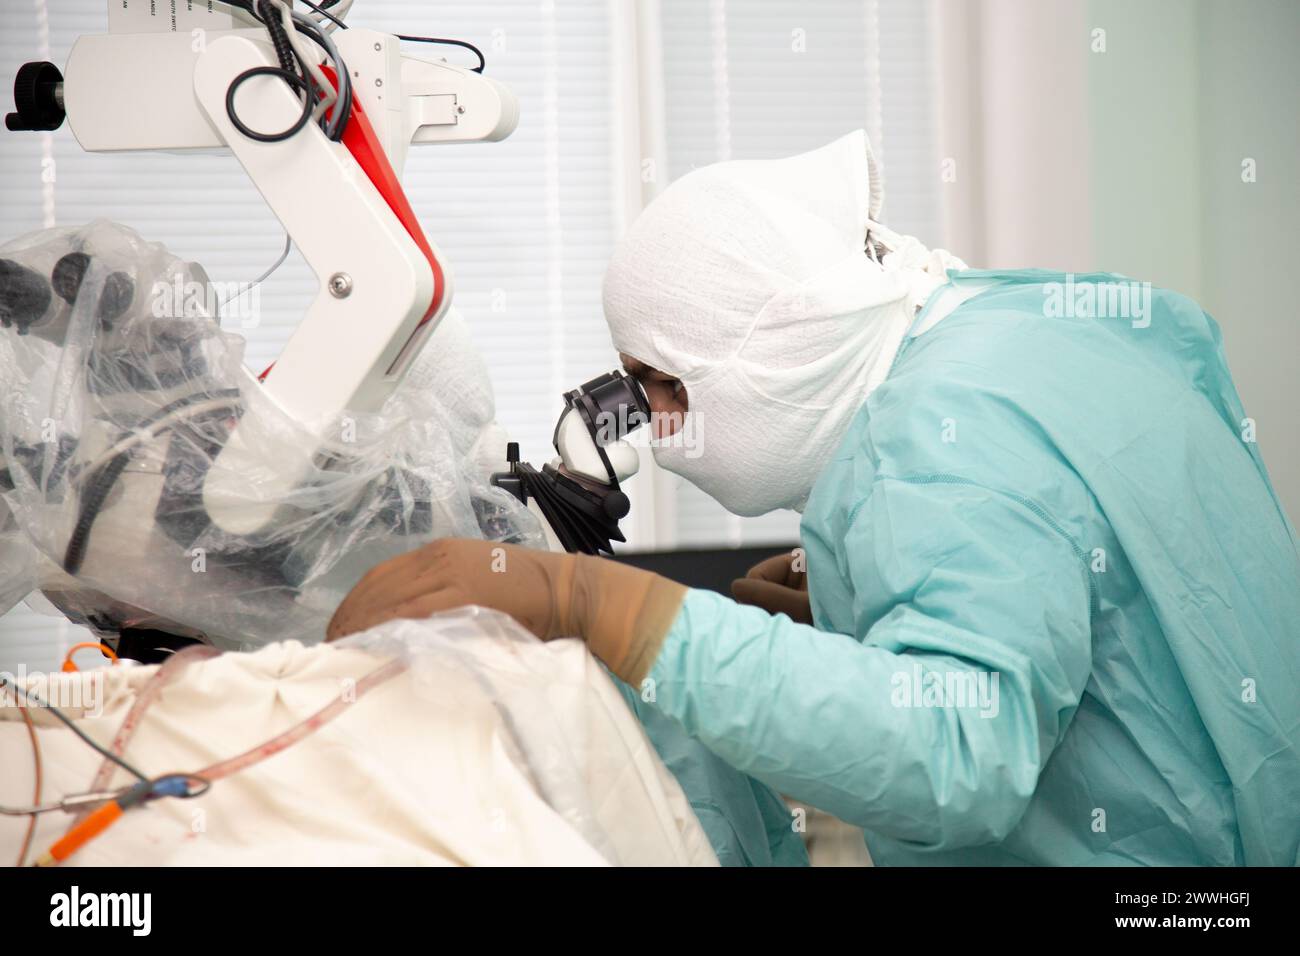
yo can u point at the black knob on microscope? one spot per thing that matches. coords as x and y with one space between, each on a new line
24 296
114 298
38 98
616 505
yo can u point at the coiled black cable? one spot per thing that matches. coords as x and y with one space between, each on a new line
283 50
293 79
294 72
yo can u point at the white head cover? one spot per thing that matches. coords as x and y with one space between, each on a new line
750 282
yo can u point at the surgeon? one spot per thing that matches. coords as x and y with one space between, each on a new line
1047 605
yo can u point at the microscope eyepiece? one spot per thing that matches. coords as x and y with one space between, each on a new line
613 404
115 297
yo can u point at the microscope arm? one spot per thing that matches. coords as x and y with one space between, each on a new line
382 285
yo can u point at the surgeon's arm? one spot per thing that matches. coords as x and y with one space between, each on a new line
961 591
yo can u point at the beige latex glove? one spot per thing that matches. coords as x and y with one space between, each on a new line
776 587
623 613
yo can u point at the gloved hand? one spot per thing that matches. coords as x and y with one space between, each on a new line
776 587
623 613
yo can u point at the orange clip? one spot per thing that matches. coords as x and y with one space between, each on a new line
70 668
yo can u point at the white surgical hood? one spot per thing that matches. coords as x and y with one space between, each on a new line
751 282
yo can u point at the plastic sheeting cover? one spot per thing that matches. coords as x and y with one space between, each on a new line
120 388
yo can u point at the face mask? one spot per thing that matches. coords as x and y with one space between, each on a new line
760 429
750 282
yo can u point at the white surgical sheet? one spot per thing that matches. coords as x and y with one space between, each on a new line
487 748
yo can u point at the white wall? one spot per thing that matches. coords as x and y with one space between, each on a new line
1249 75
1185 92
1129 159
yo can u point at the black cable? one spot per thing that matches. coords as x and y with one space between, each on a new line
446 42
292 71
279 38
324 12
293 79
91 503
72 725
288 60
321 9
98 485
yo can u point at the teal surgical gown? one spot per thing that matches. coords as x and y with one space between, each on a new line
1057 607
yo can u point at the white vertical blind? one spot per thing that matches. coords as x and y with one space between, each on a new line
526 224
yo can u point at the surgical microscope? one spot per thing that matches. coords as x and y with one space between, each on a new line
307 106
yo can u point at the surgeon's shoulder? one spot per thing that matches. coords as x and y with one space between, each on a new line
961 410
